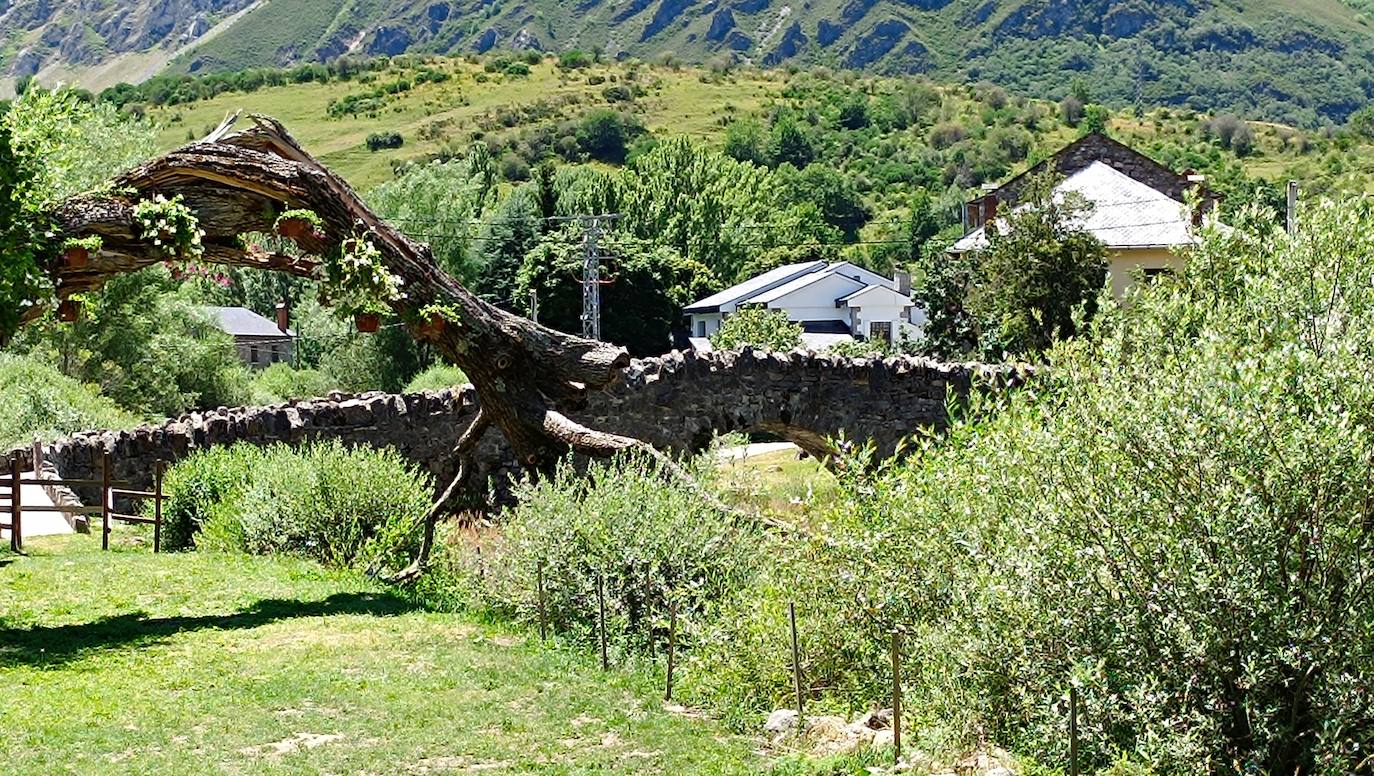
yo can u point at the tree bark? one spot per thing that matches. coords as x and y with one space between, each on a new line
238 183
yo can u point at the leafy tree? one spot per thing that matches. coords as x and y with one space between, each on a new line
606 134
832 193
942 292
1361 122
1095 120
745 141
854 112
645 287
1039 269
789 143
438 202
759 328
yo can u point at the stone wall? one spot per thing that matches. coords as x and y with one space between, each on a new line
677 402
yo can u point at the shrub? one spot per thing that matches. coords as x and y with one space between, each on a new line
281 382
41 402
341 506
437 378
574 59
1174 521
378 141
651 544
202 485
758 328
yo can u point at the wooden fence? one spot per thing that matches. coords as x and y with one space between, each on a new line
11 501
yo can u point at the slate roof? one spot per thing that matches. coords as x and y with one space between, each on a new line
1126 214
242 322
752 286
796 284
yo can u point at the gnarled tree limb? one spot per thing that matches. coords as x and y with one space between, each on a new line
238 183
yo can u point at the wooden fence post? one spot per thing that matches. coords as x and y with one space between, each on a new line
105 500
672 646
896 696
539 592
157 505
601 618
16 507
796 665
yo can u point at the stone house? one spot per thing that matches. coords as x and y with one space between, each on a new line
259 341
1139 209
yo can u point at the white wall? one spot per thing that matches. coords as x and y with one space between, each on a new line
705 324
816 301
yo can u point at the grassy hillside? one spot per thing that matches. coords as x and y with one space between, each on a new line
1302 62
440 117
129 662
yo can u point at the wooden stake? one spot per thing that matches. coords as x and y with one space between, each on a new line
539 593
601 618
896 696
1073 731
796 664
1292 207
157 505
672 647
105 500
16 509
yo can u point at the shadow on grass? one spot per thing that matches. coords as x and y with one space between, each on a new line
54 645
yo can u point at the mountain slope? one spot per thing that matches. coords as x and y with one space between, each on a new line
1300 61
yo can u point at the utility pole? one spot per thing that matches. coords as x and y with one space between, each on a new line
591 270
591 282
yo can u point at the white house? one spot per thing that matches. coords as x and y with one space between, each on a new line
834 302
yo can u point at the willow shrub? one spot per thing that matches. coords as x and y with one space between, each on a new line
343 506
652 544
1176 518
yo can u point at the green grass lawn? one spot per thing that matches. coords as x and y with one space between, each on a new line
128 662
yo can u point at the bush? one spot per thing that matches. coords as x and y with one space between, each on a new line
650 542
202 485
282 382
574 59
38 401
341 506
1174 521
378 141
437 378
758 328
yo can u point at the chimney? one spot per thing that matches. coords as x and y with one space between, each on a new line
283 316
902 278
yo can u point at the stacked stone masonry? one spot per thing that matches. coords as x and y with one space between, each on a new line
677 402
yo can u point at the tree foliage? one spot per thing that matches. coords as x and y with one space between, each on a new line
758 328
1039 274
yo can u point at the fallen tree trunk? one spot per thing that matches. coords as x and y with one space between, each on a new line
238 183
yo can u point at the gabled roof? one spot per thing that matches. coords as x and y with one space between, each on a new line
1127 213
796 284
766 281
242 322
873 290
1099 148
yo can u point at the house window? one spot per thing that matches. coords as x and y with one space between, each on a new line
253 354
1155 273
701 328
880 330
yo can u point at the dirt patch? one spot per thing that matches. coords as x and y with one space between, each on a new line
294 743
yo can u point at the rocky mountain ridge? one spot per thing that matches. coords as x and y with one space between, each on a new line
1304 61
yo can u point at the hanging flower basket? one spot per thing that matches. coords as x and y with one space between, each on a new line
293 228
76 256
433 326
367 323
68 310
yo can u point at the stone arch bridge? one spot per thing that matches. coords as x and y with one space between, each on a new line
677 402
